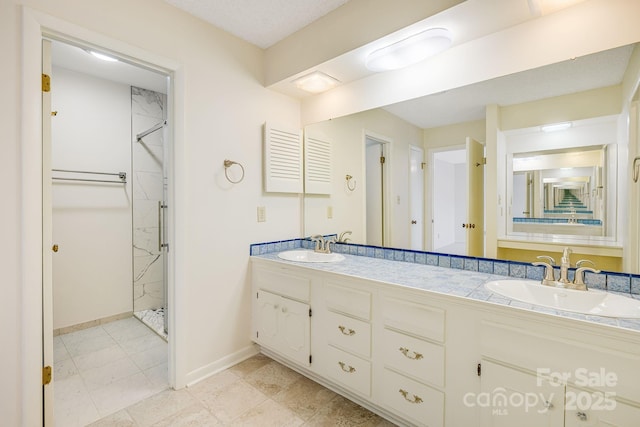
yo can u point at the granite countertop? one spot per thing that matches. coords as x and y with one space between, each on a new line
448 281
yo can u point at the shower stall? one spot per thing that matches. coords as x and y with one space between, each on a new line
149 180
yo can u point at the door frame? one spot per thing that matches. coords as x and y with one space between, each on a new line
36 282
412 201
387 212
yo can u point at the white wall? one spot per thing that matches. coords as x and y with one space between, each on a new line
219 108
92 272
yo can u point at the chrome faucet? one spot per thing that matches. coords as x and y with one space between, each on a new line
322 246
342 238
565 264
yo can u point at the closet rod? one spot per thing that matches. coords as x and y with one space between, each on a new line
153 129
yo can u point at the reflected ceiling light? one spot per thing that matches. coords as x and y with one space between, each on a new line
411 50
103 56
316 82
556 127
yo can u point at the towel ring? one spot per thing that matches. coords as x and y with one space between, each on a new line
227 165
351 183
635 169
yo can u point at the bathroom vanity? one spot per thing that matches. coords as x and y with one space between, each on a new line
431 346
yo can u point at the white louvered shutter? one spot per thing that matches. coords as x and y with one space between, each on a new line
317 166
282 159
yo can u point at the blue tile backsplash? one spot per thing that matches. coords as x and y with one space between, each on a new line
616 282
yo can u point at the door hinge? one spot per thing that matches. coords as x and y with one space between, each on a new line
479 369
46 83
310 359
46 375
257 295
423 165
310 313
382 159
257 334
482 162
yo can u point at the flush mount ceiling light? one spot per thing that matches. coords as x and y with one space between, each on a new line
102 56
556 127
411 50
316 82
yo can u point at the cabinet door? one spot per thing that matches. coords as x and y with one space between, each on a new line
284 326
511 397
268 306
591 409
294 325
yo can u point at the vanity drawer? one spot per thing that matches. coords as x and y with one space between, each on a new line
349 370
284 283
410 399
347 300
348 333
417 358
417 319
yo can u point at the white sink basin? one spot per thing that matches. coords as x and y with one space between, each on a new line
304 255
595 302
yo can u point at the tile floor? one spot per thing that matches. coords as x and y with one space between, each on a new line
257 392
115 375
100 370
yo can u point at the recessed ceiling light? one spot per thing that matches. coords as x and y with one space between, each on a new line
103 56
556 127
316 82
411 50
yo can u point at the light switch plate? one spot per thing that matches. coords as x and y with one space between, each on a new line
329 212
262 214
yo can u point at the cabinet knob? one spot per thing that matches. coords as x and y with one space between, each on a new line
55 248
413 221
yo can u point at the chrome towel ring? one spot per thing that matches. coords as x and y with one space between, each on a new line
227 165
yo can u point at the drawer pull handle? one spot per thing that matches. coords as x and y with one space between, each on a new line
416 399
582 416
405 351
346 331
349 370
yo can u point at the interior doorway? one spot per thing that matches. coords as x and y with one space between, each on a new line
449 201
106 189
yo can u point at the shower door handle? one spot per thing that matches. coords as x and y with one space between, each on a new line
161 245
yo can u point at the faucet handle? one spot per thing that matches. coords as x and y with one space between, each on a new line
549 274
585 261
578 280
319 239
549 259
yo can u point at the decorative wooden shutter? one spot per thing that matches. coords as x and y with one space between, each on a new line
317 166
282 159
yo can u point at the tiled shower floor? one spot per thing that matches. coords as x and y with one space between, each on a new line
153 319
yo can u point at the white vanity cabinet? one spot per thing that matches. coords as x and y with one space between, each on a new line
422 358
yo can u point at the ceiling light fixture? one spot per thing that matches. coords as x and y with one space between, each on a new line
556 127
103 56
411 50
316 82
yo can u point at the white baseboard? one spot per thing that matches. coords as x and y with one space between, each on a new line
221 364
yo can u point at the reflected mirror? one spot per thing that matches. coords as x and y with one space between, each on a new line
573 190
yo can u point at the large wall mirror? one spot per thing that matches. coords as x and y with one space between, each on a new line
406 176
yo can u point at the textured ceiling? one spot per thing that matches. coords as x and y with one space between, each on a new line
260 22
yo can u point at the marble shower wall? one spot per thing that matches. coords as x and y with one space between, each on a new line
147 110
